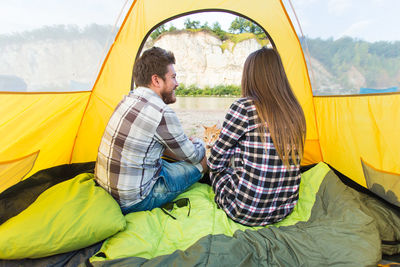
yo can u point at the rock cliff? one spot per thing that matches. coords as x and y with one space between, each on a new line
203 60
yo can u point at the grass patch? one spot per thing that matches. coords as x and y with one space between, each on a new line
219 90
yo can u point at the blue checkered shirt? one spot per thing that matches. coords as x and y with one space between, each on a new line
129 157
258 189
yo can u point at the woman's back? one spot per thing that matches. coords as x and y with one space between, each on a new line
259 189
264 132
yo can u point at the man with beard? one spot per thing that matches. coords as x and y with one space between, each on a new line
143 128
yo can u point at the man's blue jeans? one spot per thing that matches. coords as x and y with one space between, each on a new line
174 179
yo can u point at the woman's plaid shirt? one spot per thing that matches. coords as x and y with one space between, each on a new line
258 189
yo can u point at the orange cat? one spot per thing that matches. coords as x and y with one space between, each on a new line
210 136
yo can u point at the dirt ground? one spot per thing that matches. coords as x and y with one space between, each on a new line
192 121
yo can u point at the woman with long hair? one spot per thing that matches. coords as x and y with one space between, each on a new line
255 163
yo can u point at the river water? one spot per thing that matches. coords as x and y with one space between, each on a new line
193 112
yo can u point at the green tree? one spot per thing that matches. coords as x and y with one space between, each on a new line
378 62
189 24
216 28
240 25
205 26
157 32
172 28
385 49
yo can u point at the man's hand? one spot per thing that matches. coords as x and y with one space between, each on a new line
204 164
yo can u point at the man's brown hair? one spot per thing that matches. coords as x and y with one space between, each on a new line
153 61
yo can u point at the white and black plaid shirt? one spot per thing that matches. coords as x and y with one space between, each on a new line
259 189
138 132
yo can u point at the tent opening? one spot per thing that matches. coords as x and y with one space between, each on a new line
210 49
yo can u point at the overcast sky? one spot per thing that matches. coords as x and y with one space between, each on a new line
370 20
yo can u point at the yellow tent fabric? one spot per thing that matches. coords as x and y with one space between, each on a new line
355 127
12 172
45 122
67 127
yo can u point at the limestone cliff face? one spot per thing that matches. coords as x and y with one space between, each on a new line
201 60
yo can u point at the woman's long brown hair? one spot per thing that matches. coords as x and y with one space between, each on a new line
264 81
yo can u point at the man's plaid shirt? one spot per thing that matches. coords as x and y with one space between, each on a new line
129 156
258 189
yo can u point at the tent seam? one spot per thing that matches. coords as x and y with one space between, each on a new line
97 79
308 78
